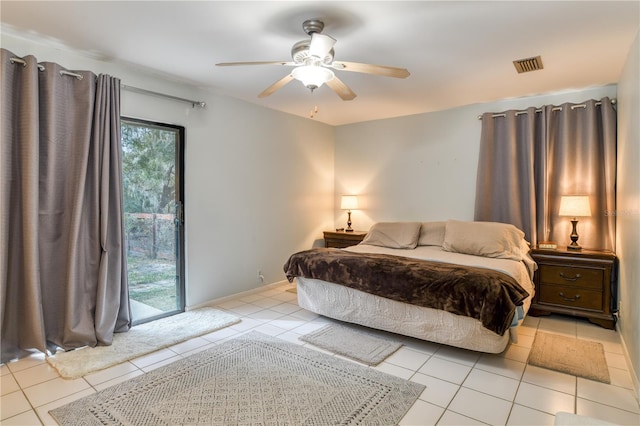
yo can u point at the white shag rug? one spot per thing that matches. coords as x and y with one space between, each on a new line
141 340
354 342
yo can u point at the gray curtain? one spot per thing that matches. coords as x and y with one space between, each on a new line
63 270
529 159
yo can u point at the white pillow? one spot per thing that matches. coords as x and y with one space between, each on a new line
431 233
400 235
488 239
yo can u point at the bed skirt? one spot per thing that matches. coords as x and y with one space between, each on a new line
354 306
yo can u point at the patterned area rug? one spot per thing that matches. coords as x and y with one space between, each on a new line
252 379
353 342
141 340
577 357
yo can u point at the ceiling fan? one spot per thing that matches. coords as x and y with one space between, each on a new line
313 62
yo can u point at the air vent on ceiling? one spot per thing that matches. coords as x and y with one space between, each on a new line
528 64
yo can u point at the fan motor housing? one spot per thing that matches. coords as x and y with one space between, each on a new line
300 53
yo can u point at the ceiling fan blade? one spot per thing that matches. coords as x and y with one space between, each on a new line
321 45
235 64
371 69
275 86
341 89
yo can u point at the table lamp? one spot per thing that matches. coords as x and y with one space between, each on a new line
349 202
574 206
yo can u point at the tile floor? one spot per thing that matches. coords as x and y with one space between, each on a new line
462 387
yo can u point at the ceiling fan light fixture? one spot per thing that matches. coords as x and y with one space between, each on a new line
312 76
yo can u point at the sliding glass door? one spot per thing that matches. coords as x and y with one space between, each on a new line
152 169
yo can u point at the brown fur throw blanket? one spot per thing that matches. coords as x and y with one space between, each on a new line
484 294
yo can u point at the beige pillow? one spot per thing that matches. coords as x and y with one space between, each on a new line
400 235
431 233
488 239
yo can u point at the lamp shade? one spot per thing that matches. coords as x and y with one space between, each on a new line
575 205
312 76
349 202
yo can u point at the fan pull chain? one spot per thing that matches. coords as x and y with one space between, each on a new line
313 112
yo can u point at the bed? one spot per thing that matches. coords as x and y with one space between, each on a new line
369 284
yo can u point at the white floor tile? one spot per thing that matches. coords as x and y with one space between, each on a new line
43 410
29 418
480 406
110 373
52 390
544 399
603 393
492 384
116 380
550 379
607 413
270 330
265 315
525 416
287 322
500 365
620 378
8 384
286 308
153 358
13 404
422 413
438 392
558 324
267 302
189 345
445 370
394 370
516 353
461 356
408 358
615 360
28 362
449 418
247 323
223 334
245 309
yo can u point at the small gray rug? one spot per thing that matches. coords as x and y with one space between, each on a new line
569 355
353 342
252 379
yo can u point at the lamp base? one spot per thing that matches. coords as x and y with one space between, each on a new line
574 236
349 228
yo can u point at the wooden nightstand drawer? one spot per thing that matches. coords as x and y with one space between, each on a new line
342 239
573 276
570 296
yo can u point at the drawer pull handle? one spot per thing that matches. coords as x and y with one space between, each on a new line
574 278
570 299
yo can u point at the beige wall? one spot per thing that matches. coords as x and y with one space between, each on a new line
628 207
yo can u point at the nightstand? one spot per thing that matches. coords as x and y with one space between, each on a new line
579 283
341 239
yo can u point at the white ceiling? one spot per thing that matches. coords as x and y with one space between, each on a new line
458 52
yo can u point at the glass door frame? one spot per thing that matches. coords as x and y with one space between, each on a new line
179 214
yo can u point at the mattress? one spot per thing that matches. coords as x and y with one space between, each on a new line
354 306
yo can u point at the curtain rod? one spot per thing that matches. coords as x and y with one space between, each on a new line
193 103
613 102
201 104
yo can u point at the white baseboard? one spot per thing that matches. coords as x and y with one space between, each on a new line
236 295
632 372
